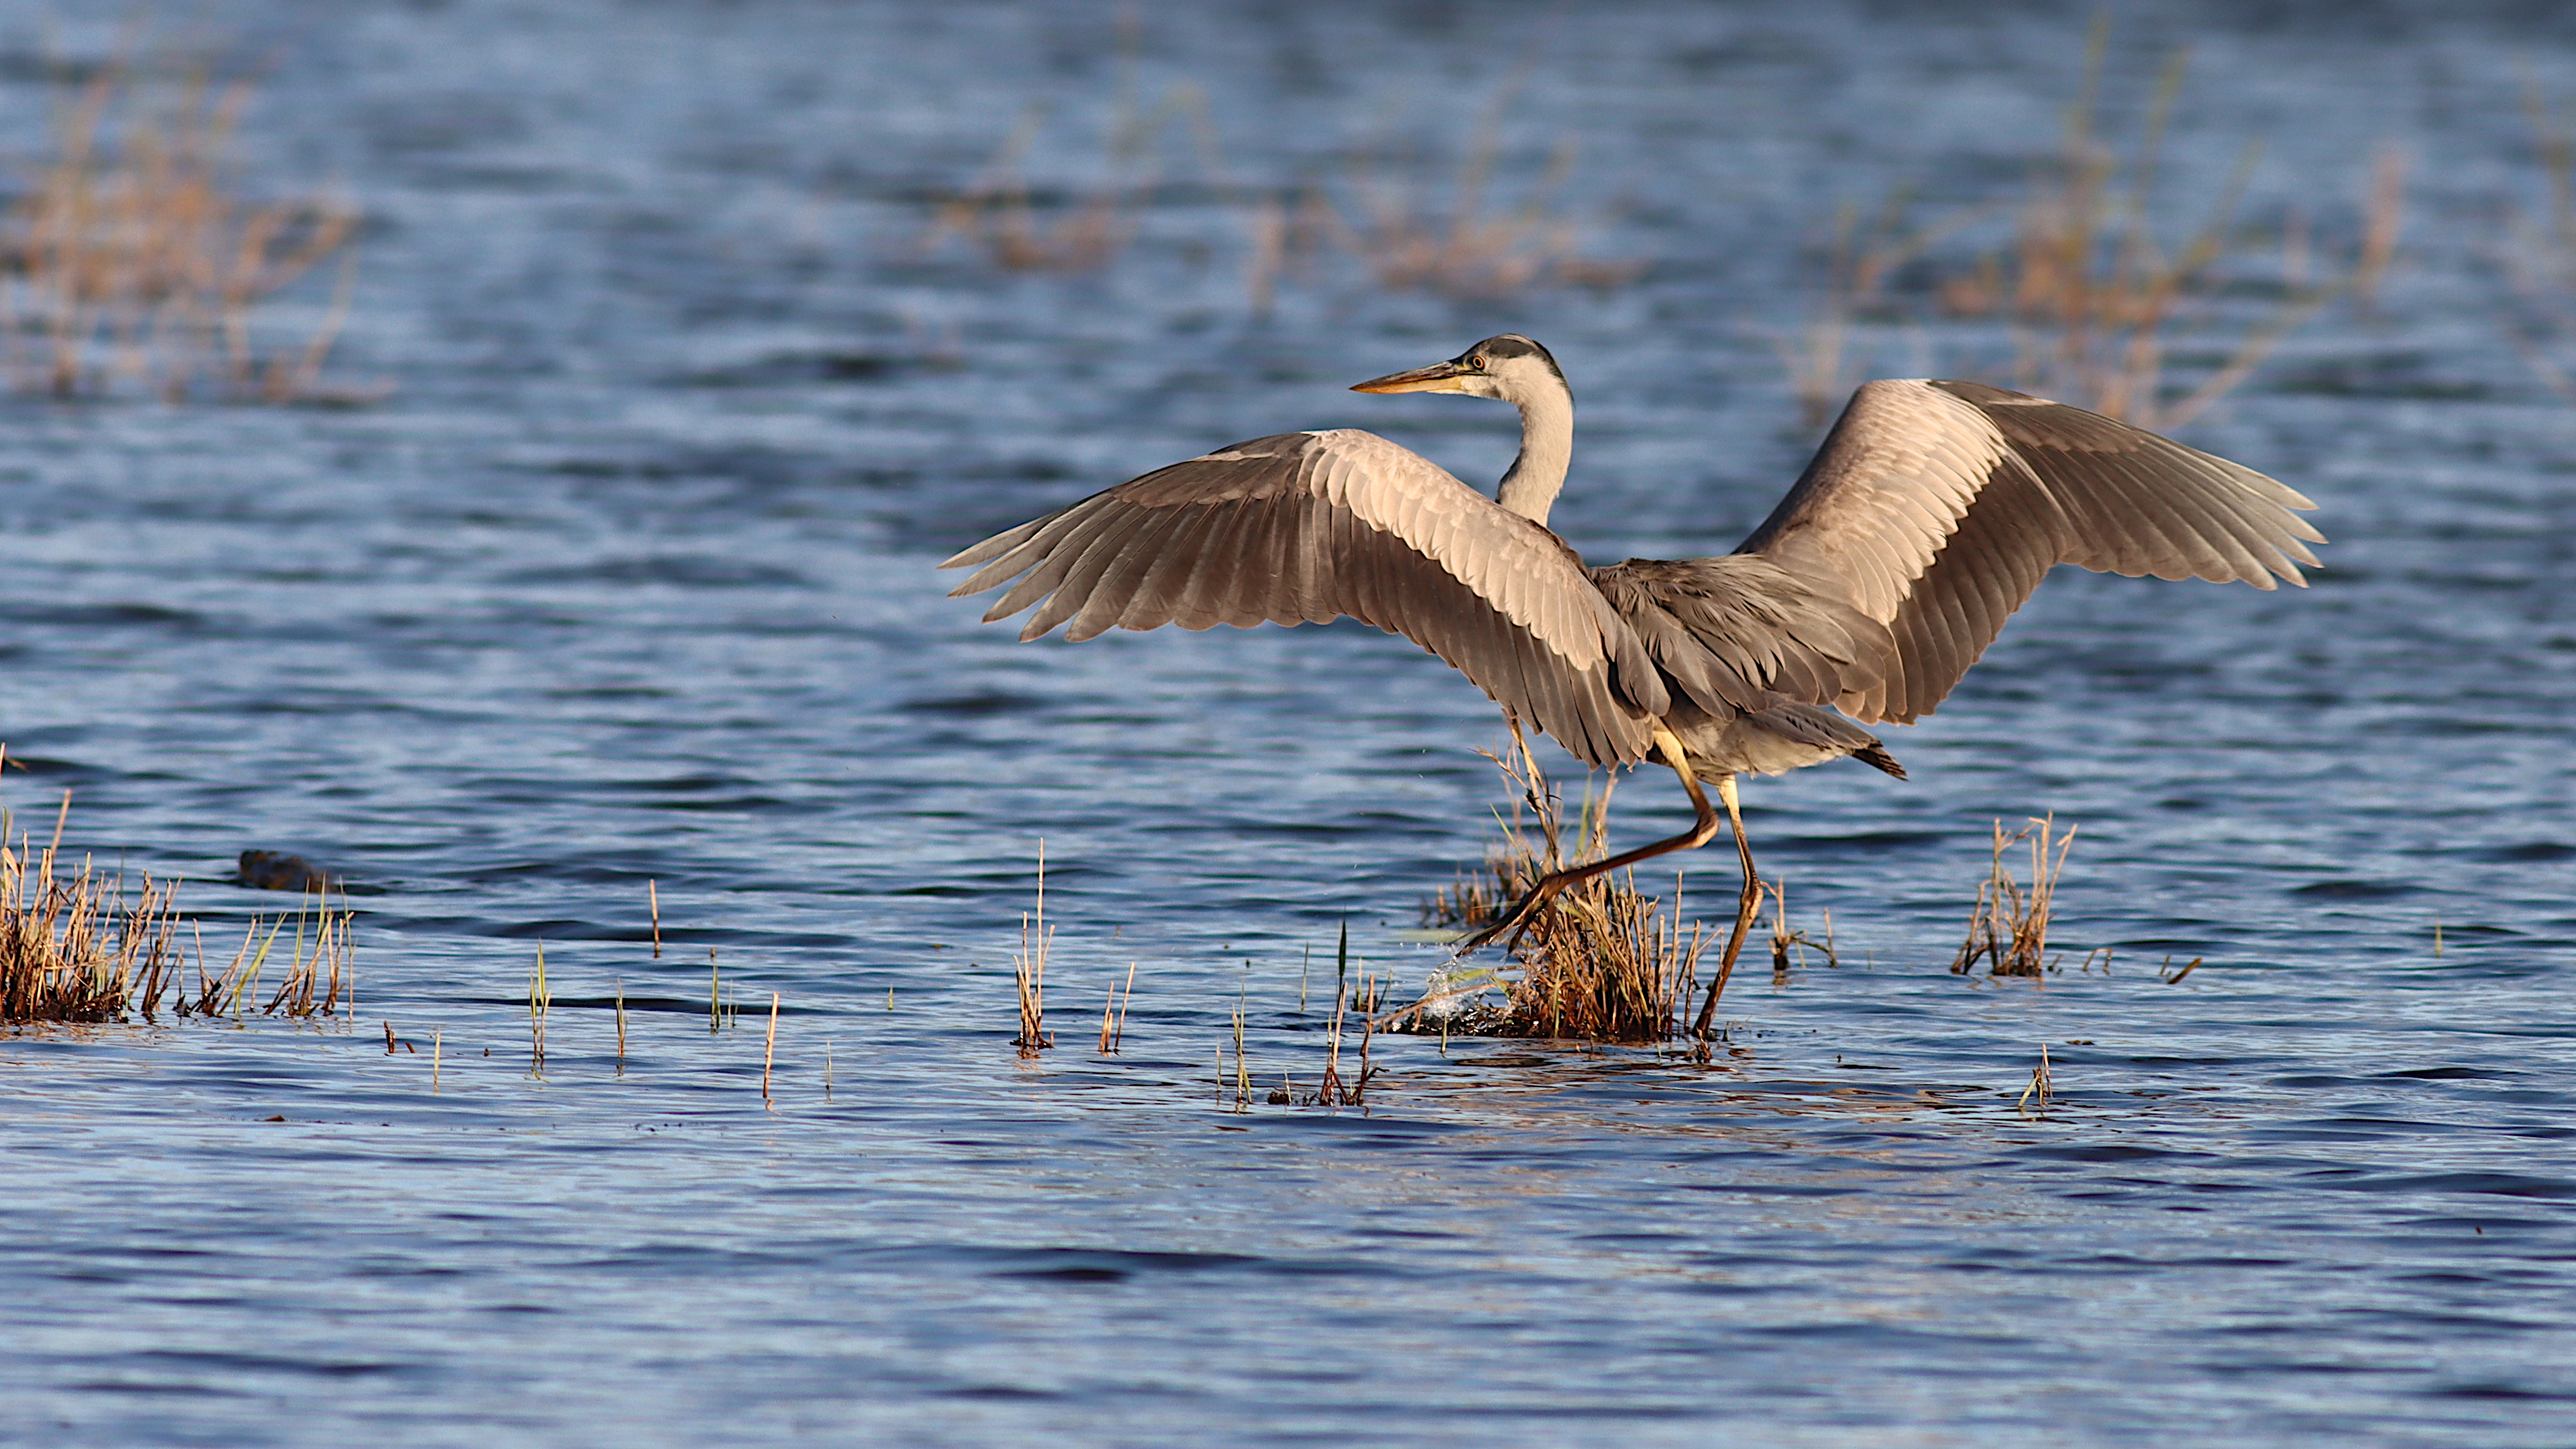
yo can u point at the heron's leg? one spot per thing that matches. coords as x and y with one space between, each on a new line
1748 907
1668 745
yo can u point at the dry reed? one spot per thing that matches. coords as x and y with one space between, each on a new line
76 946
1242 1072
769 1052
2094 299
1113 1013
1455 237
1336 1090
1786 939
2042 1085
1859 264
306 991
1601 962
1028 969
2009 927
128 261
1085 227
541 999
2539 255
1408 225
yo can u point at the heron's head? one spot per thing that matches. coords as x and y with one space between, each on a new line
1510 367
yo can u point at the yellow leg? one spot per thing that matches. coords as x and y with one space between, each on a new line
1746 908
1669 746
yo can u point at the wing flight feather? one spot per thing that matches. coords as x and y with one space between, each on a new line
1936 507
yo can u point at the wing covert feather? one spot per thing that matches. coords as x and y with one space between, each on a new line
1308 527
1741 635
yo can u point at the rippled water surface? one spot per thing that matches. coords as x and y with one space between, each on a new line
627 579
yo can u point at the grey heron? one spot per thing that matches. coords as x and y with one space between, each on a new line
1927 516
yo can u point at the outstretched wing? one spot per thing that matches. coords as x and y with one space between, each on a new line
1317 526
1936 507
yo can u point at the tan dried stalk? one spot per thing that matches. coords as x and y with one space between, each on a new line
1113 1013
1601 963
2008 930
2093 298
1786 938
1454 240
128 261
997 214
1028 969
1410 228
2539 256
76 946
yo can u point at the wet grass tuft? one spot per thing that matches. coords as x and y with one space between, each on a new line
76 945
2008 930
1601 962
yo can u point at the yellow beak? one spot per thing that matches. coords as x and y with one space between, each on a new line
1438 377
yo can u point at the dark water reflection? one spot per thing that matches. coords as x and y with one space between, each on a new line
627 582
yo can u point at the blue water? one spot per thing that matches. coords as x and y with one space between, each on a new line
627 578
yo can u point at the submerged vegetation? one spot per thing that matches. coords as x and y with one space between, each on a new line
130 260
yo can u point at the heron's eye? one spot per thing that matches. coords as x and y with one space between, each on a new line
1475 364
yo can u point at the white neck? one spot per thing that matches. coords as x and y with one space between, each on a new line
1547 449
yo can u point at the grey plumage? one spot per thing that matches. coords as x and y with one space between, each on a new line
1928 515
1937 506
1310 527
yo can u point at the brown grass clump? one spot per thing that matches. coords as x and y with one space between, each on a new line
1081 229
1454 237
1602 962
129 261
2009 928
2094 298
75 946
1408 225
